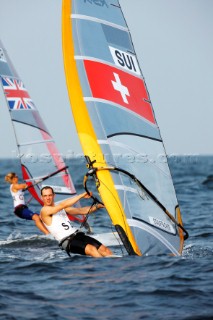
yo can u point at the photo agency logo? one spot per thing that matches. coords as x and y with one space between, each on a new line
117 158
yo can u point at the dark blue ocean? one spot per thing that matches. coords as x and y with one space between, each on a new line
39 281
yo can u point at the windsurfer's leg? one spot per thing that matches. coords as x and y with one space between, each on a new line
83 244
92 251
104 251
39 224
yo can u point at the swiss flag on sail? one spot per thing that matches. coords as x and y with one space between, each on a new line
112 84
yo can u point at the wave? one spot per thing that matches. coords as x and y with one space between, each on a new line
208 182
18 241
195 250
30 249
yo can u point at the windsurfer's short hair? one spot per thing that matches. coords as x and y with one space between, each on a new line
47 187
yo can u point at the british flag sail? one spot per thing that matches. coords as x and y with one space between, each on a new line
41 162
17 95
117 128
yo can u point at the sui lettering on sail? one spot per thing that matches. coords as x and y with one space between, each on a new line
125 60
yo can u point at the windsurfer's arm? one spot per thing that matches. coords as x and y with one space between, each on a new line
50 210
83 210
18 186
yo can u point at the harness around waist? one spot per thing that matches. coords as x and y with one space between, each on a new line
65 241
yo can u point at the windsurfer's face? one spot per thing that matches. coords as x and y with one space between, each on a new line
47 197
15 179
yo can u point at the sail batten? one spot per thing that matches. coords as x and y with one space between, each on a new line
125 188
89 18
34 142
88 99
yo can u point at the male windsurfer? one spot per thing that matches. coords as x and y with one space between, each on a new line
20 209
54 217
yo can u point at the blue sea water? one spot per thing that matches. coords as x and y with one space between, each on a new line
39 281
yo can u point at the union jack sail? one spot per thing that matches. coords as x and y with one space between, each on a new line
16 94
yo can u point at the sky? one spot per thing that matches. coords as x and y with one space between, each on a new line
173 42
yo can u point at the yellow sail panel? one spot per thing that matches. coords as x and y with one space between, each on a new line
85 130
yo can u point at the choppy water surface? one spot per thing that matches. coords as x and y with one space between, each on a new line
38 280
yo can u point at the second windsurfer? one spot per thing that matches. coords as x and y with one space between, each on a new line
20 209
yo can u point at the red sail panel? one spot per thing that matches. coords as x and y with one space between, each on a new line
112 84
32 190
